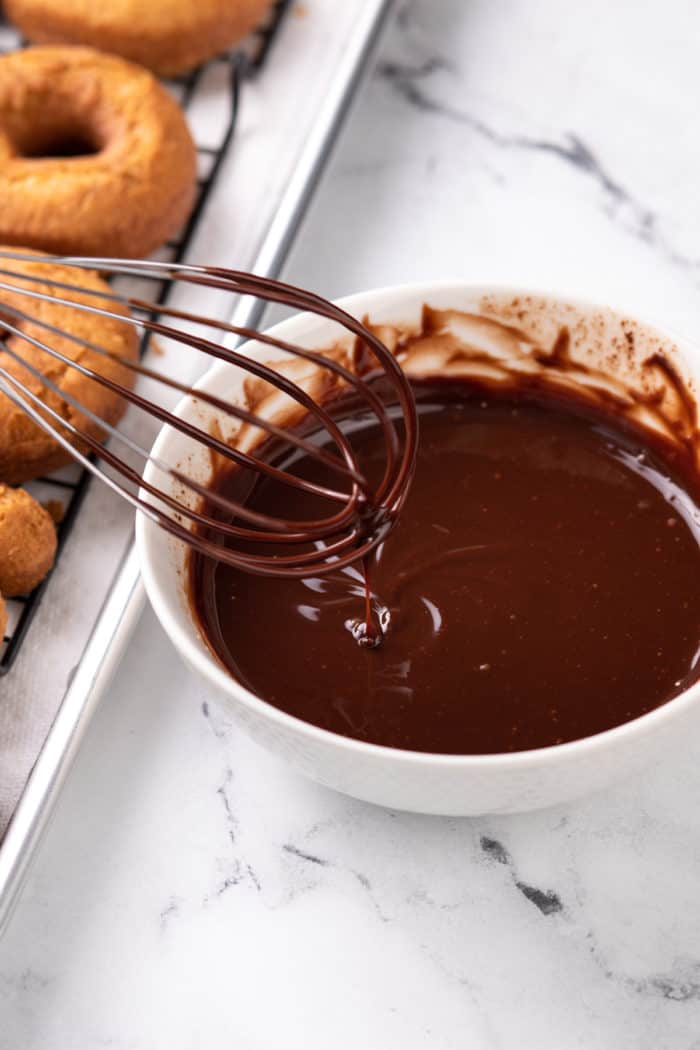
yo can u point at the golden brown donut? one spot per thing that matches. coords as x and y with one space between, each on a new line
3 617
25 450
27 542
168 36
95 155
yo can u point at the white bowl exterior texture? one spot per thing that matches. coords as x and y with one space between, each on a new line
424 783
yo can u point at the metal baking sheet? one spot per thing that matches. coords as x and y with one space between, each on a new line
289 119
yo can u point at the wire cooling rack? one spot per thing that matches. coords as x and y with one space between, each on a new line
67 488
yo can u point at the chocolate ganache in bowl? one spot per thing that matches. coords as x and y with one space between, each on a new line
535 615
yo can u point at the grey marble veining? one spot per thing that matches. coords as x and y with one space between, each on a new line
193 891
535 136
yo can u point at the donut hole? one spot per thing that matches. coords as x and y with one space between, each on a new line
61 142
53 127
76 146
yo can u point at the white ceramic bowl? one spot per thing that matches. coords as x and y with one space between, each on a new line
427 783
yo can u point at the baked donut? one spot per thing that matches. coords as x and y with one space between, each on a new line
3 617
27 542
25 450
95 156
168 36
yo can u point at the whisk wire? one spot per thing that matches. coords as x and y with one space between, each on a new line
236 411
198 343
329 542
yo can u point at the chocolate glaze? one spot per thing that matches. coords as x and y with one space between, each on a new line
540 586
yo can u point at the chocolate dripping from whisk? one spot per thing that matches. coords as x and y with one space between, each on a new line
377 512
374 518
348 536
368 633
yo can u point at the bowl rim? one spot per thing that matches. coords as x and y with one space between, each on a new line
207 663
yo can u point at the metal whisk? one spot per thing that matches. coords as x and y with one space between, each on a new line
234 532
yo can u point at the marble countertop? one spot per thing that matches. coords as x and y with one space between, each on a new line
193 892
